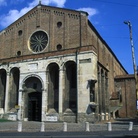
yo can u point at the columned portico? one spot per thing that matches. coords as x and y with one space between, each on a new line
52 89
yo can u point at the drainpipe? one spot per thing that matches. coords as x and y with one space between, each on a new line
76 56
80 30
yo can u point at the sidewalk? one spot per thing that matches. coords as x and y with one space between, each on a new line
30 126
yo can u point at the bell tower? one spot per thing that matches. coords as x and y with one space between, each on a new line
39 2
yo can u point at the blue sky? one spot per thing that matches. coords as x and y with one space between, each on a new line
107 16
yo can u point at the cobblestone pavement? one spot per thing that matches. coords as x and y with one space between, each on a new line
30 126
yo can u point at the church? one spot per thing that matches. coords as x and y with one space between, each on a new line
55 66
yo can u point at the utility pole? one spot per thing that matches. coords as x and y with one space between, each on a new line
134 62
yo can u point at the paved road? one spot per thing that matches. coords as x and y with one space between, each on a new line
103 134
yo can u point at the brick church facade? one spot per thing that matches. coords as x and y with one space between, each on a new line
54 66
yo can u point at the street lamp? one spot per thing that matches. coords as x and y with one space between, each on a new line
133 58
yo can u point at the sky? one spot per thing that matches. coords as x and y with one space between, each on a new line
107 16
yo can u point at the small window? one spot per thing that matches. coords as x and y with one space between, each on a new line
18 53
59 47
20 32
59 24
38 26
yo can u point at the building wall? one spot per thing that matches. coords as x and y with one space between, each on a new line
71 38
107 60
128 96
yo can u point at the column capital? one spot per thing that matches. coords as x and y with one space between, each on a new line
8 73
43 89
62 69
21 90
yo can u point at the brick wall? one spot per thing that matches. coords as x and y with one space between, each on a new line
68 35
128 91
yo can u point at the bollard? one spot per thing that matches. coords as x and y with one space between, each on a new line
103 116
64 126
109 126
87 126
19 126
130 126
42 127
106 116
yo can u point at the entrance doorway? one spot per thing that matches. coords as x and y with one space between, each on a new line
34 106
32 99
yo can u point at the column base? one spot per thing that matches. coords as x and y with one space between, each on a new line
82 117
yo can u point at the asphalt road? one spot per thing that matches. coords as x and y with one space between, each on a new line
100 134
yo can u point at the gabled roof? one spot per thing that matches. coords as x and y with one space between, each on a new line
50 7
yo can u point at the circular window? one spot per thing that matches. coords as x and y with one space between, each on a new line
38 41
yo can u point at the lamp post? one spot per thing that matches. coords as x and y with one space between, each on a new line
133 58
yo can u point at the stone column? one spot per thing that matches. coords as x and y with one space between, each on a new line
44 77
99 92
44 104
46 88
7 92
61 85
107 95
103 92
20 103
